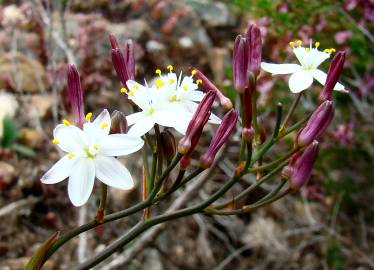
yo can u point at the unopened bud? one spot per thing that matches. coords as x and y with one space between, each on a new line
287 172
75 94
239 64
254 49
119 123
169 146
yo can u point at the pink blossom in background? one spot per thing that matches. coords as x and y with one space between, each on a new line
342 36
344 133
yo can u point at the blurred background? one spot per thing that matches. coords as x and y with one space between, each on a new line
328 225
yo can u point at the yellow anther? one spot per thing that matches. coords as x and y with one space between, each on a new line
170 67
159 83
185 87
332 50
292 44
88 116
299 42
66 122
136 86
123 90
327 50
317 44
307 49
130 93
199 81
158 71
193 72
104 125
171 81
173 98
55 141
96 147
71 155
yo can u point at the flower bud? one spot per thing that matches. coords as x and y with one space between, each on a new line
169 146
333 74
209 86
223 132
75 94
130 59
119 123
254 43
303 167
239 64
197 123
247 104
287 172
316 125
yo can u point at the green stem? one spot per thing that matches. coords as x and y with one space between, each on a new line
101 209
290 112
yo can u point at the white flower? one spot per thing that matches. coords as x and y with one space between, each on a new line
91 152
302 75
169 101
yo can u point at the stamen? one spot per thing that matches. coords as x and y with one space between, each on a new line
96 147
193 72
71 155
332 50
88 116
136 86
292 44
307 49
185 87
159 83
130 93
316 44
199 81
171 81
104 125
299 42
327 50
123 90
66 122
55 141
158 71
170 67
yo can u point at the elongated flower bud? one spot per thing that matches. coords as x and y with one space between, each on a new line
333 74
169 147
254 43
223 132
209 86
302 169
317 124
197 123
247 106
119 123
240 63
130 59
75 94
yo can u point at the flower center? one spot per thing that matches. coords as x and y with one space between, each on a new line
88 153
151 110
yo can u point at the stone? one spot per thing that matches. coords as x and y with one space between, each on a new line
40 105
31 137
7 172
134 29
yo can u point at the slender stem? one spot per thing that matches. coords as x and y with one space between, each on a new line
290 112
151 179
254 109
159 151
273 192
101 209
294 127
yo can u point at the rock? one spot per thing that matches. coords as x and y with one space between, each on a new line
40 105
134 29
7 172
31 137
22 73
153 46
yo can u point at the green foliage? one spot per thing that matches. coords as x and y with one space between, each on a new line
9 132
334 255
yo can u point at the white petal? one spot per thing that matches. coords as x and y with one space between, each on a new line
196 95
135 117
99 127
113 173
119 145
59 171
142 126
300 81
214 119
81 181
181 127
321 76
168 118
280 68
70 138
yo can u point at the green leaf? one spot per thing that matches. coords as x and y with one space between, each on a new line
9 132
23 149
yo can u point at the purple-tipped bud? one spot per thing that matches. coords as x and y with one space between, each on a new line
119 123
247 106
130 59
113 41
169 147
316 125
302 169
254 43
75 94
223 132
197 123
209 86
239 64
333 74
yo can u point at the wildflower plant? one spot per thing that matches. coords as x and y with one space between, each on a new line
184 104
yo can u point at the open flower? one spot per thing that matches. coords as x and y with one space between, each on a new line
91 152
302 75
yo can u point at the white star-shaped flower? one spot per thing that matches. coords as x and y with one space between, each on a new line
91 152
302 75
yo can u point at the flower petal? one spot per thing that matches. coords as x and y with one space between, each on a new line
142 126
300 80
280 68
169 118
119 145
321 76
214 119
81 181
99 127
70 138
113 173
59 171
135 117
196 95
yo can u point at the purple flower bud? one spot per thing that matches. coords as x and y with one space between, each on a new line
254 43
316 125
119 123
302 169
197 123
209 86
113 41
247 106
223 132
239 64
333 74
75 94
169 146
130 59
